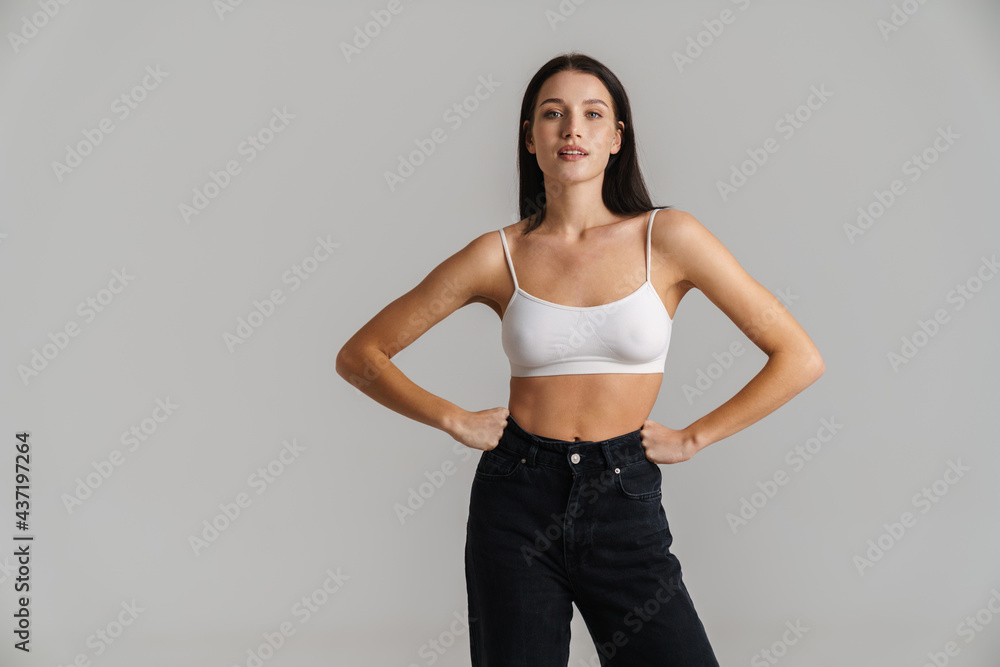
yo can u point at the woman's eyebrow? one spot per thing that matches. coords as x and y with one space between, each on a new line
559 101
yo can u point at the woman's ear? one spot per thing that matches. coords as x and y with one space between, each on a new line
618 135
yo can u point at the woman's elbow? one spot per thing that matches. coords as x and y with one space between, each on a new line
359 365
804 361
813 366
347 362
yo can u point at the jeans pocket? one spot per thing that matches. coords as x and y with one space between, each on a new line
498 463
640 480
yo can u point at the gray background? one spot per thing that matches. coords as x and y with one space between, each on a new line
334 507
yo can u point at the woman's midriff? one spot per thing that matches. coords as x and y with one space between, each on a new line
583 407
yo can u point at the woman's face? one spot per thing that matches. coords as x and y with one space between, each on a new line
574 108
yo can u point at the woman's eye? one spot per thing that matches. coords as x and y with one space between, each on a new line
547 114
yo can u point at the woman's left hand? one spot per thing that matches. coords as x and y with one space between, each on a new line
665 445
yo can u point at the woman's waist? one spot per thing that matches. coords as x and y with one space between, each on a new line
583 407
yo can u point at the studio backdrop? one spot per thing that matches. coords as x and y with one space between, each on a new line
200 202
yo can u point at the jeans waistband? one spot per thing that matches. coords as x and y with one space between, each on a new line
575 455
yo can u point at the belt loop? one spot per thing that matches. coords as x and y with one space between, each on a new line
531 454
606 448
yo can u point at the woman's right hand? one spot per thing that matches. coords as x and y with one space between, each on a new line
480 430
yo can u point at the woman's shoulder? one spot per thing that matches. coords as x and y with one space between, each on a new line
672 217
673 225
491 238
515 227
485 249
679 235
482 265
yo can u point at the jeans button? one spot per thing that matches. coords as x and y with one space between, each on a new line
575 458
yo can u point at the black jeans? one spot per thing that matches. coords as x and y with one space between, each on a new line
557 522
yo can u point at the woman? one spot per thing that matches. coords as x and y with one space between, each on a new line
565 505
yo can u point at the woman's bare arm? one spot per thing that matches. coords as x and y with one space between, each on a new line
793 361
365 359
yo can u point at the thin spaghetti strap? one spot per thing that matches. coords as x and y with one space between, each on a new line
506 252
649 241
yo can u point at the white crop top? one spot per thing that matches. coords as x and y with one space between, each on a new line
630 335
